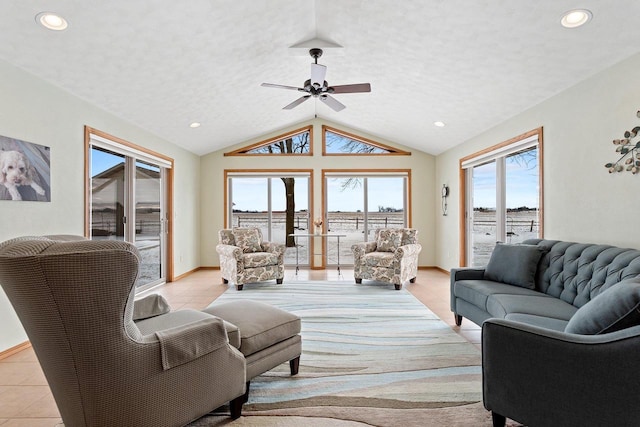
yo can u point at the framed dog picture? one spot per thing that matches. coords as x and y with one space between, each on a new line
25 172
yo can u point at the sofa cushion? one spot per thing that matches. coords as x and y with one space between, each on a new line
541 321
514 264
388 240
478 291
614 309
259 259
378 259
501 305
247 239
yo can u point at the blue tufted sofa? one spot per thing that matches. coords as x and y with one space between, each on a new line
565 351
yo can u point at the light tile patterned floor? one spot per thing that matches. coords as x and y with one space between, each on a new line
25 398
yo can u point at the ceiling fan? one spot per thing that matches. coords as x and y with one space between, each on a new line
318 87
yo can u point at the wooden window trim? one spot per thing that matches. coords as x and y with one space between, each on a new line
392 151
243 151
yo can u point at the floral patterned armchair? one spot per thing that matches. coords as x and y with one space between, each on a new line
245 258
391 257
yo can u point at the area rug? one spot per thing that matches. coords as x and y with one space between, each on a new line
371 355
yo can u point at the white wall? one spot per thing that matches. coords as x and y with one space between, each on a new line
36 111
582 201
422 167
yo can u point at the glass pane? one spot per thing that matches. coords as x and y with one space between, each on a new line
339 144
148 222
483 233
522 219
345 215
250 204
290 215
385 204
296 144
107 195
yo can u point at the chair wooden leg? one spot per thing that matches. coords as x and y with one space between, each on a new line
225 281
412 280
279 281
246 393
239 287
358 281
498 420
294 364
398 286
236 407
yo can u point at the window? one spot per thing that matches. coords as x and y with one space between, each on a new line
128 200
296 143
356 203
277 202
503 197
337 142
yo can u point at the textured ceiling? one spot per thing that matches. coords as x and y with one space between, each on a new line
162 64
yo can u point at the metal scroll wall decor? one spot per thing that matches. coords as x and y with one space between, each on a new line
629 152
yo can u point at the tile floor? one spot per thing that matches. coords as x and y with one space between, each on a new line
25 398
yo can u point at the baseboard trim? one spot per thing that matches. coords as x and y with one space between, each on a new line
434 267
15 349
190 272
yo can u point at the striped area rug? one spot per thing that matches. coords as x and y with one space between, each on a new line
371 355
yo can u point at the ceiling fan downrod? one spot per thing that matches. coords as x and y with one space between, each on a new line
315 53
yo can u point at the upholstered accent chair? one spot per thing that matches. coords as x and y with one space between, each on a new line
246 258
391 257
75 300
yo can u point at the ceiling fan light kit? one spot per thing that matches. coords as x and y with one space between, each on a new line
318 87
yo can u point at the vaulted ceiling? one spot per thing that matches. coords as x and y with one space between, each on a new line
164 64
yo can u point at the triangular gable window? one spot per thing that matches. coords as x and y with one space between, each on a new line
296 143
337 142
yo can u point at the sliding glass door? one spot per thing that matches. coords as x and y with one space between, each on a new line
128 202
277 203
358 204
503 197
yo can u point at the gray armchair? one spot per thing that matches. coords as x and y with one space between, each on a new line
246 258
75 300
540 377
391 257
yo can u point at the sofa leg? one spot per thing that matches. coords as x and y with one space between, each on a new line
236 407
239 287
358 280
412 280
294 364
458 319
498 420
245 396
398 286
279 281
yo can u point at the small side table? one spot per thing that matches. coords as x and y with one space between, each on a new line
323 236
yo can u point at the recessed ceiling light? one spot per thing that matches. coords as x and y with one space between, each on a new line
575 18
439 124
194 125
52 21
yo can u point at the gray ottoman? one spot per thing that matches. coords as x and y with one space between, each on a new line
267 336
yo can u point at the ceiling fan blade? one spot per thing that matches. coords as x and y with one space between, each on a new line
333 103
296 102
318 72
281 86
354 88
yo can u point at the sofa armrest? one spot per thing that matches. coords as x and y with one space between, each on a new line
464 273
229 251
538 376
410 250
184 343
277 248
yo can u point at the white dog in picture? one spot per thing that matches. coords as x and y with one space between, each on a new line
15 170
